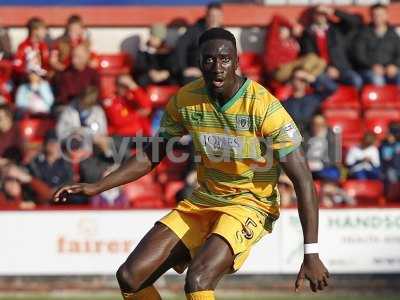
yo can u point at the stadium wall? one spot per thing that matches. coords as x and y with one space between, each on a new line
74 242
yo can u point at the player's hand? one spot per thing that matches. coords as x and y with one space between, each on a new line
79 188
314 271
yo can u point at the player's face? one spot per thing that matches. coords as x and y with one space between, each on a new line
218 63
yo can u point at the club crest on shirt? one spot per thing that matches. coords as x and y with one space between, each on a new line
242 122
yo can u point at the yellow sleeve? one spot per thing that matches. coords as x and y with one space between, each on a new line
279 129
171 124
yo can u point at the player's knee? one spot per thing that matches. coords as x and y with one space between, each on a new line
127 280
199 278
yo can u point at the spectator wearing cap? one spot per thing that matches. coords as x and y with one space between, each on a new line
154 64
36 95
328 40
75 34
187 50
128 111
363 160
377 49
73 81
49 166
9 133
83 116
33 51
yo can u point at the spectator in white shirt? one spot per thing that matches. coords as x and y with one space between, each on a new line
363 161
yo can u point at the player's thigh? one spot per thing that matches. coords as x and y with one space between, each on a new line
214 259
158 251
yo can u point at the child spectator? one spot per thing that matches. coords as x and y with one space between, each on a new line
326 39
36 95
303 105
390 155
128 112
79 76
321 151
282 51
363 161
33 52
154 64
377 50
75 34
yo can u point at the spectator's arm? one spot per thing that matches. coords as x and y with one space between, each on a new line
21 97
360 51
324 87
352 21
375 159
46 93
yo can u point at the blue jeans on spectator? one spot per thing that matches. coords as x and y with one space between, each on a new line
328 174
366 174
370 77
351 77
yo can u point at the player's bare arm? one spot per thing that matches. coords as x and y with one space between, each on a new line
136 167
312 268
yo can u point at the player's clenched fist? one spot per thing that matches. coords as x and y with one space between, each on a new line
79 188
314 271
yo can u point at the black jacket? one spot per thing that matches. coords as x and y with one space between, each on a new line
187 50
371 49
340 36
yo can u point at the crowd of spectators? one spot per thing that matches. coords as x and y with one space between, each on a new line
59 80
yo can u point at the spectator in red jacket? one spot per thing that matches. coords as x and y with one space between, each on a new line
75 34
282 51
79 76
128 112
33 52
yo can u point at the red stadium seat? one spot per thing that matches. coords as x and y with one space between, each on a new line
283 92
351 129
170 191
393 193
33 130
378 120
366 192
380 96
345 97
145 193
107 86
251 65
349 113
160 94
115 64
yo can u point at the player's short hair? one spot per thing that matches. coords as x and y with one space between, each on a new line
214 5
217 33
378 6
72 19
34 23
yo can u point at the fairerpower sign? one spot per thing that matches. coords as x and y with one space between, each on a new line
97 242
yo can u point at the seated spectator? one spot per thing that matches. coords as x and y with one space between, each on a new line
9 134
115 197
154 64
21 190
303 105
363 161
83 116
333 195
36 95
5 43
128 112
321 151
33 52
75 34
282 51
390 155
326 39
286 191
49 166
79 76
377 49
187 50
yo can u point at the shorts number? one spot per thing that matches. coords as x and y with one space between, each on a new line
247 230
